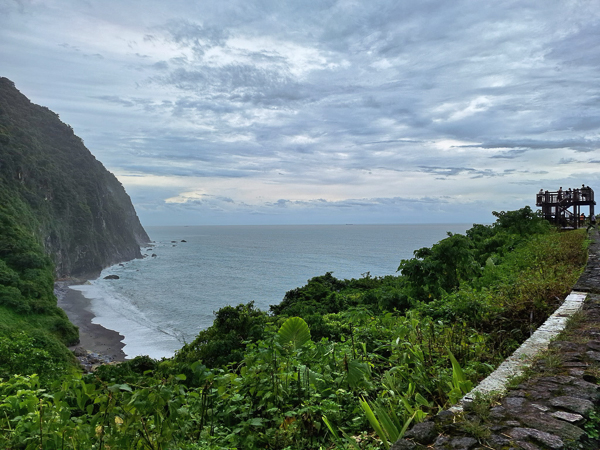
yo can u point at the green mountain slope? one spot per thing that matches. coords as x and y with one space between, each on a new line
76 208
61 214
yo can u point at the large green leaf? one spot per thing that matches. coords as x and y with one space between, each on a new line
359 373
294 330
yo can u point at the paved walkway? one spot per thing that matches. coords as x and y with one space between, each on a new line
557 406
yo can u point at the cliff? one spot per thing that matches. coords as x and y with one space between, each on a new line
74 207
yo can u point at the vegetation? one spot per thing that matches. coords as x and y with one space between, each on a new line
33 330
61 213
65 198
338 363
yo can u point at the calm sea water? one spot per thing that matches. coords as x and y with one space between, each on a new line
158 303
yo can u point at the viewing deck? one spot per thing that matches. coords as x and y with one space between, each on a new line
563 207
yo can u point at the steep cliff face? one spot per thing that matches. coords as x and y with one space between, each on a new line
76 208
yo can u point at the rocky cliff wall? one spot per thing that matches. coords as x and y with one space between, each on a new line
76 208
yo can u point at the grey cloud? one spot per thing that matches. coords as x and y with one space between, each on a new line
238 83
473 173
393 141
197 36
582 145
69 47
586 40
564 161
115 99
362 203
160 65
142 103
511 154
447 171
385 82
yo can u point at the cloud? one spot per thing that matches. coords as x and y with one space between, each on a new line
510 154
292 109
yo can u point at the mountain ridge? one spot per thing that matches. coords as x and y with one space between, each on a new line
73 205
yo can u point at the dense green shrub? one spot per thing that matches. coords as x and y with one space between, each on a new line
24 354
224 341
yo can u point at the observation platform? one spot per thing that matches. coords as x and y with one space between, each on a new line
564 207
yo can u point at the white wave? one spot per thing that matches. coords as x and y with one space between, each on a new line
113 311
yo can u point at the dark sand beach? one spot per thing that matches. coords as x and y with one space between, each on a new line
93 337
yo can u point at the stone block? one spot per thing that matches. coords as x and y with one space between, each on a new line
574 404
423 433
549 424
463 443
549 440
569 417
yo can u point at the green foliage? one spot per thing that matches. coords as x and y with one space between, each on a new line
334 361
592 425
294 331
460 384
440 269
26 355
33 330
224 341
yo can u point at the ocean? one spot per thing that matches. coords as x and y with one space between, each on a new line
162 301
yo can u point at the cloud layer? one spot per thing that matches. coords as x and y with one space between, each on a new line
319 112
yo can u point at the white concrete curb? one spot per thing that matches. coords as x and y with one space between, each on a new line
522 358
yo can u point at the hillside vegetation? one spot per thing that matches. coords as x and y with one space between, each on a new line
337 364
72 205
61 214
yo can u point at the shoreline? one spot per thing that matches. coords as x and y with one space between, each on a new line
104 344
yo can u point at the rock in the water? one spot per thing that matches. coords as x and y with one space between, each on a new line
183 240
154 255
80 351
111 277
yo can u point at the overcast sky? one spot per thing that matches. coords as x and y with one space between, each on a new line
260 112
